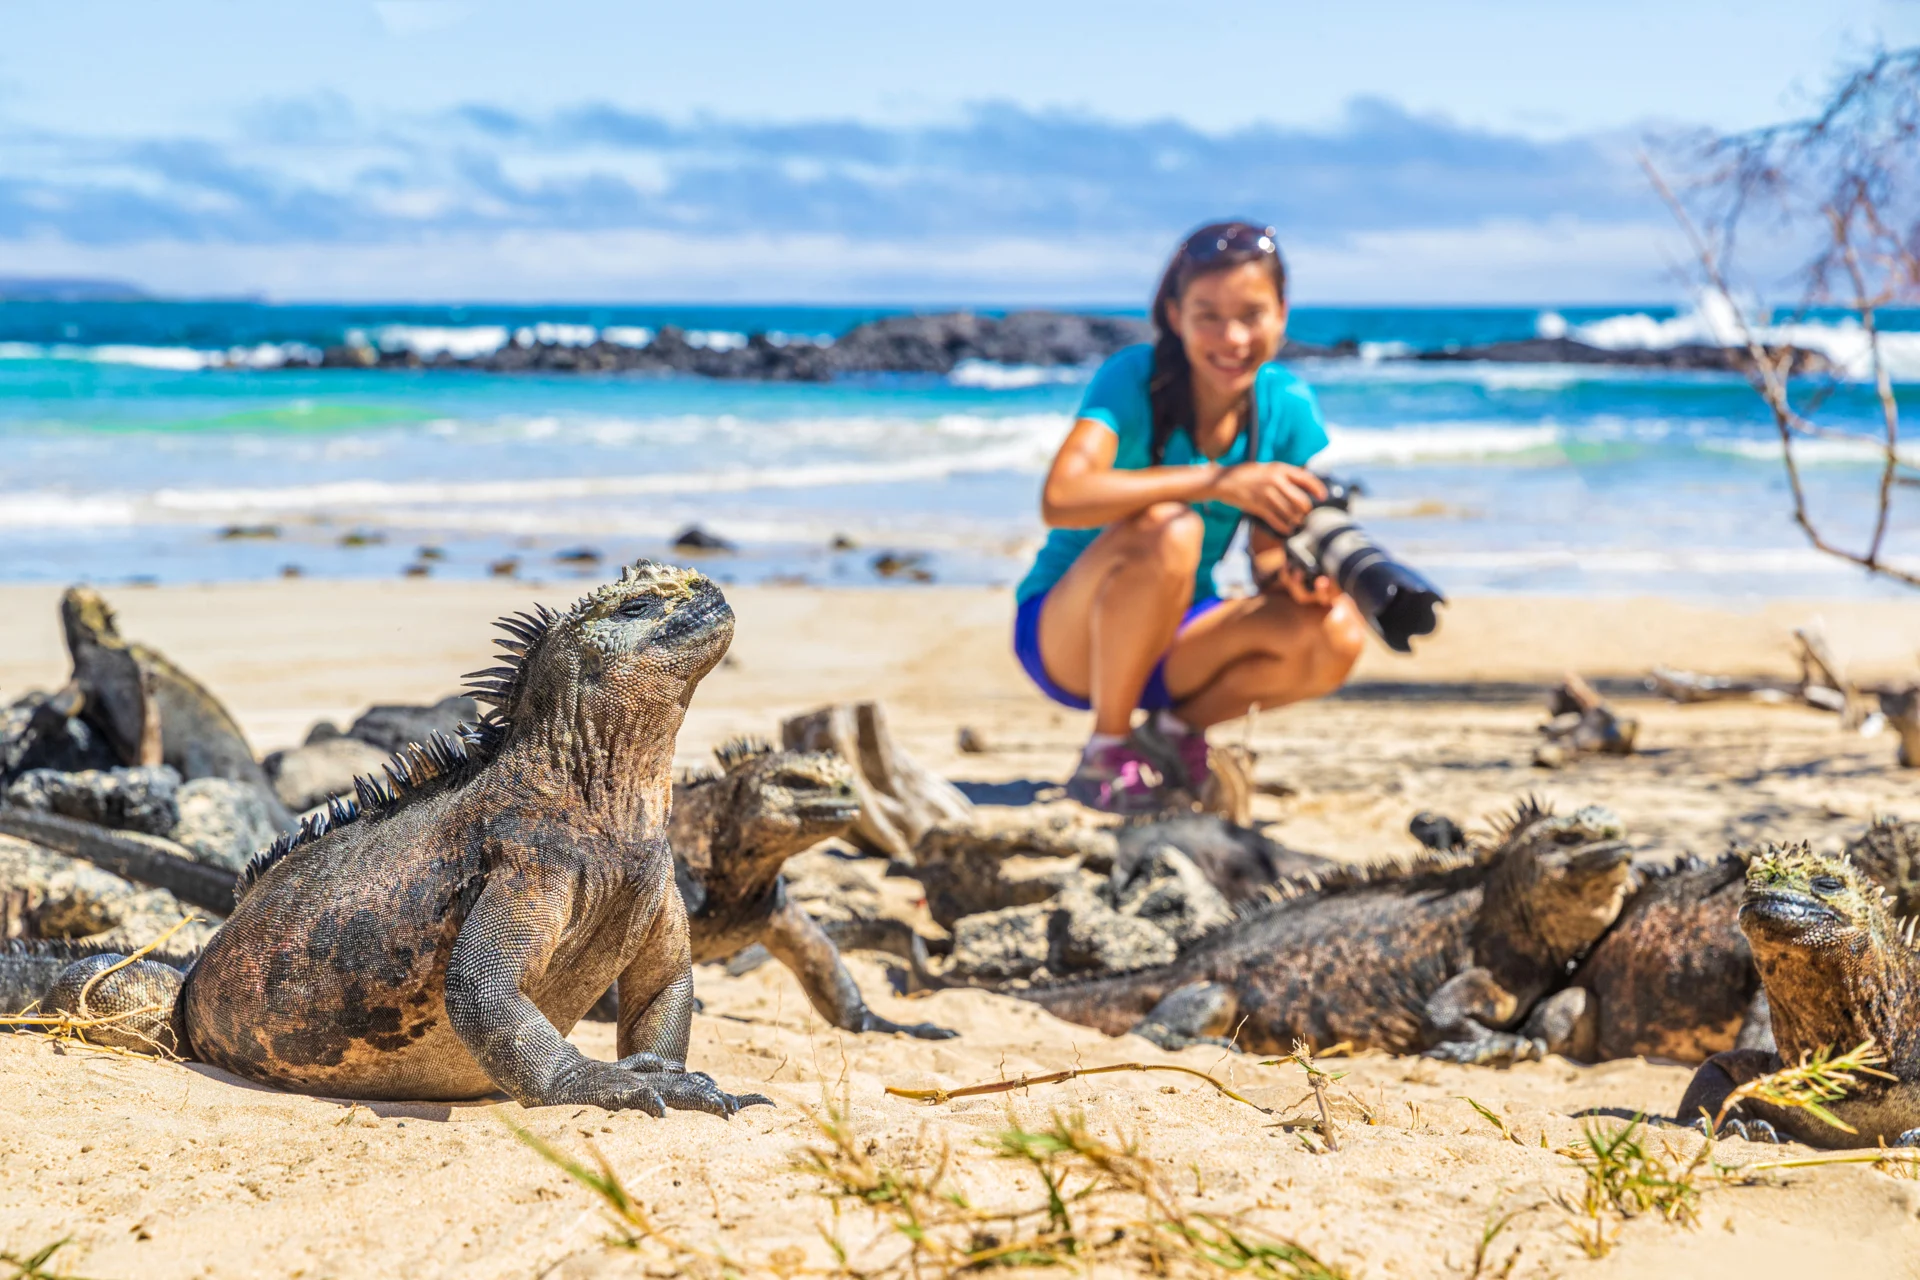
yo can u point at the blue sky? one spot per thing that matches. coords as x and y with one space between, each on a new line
448 149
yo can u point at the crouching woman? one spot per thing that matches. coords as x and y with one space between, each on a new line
1173 444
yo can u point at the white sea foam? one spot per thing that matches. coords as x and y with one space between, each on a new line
1717 320
1372 352
556 335
1011 377
1550 325
1649 565
627 335
428 341
716 339
1814 453
40 509
1348 446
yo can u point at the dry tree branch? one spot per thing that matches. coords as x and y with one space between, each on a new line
1852 165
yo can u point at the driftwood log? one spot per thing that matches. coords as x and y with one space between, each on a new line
900 798
1823 685
131 855
1582 723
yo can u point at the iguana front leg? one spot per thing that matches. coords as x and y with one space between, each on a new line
798 942
507 941
1458 1017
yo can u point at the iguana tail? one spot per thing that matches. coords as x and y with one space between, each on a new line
130 1007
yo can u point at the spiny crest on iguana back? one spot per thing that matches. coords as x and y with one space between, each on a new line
450 761
1531 816
1833 879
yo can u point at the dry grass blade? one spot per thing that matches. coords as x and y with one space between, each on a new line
1497 1121
1818 1078
73 1027
1061 1077
34 1266
628 1216
1625 1179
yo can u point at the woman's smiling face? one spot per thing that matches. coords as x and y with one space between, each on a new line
1231 322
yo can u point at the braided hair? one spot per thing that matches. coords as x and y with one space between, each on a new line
1219 246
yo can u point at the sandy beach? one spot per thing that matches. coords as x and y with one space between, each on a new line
168 1169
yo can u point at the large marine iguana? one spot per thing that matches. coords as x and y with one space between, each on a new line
732 831
1441 954
1839 967
438 937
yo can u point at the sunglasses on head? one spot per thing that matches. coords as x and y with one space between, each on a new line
1225 238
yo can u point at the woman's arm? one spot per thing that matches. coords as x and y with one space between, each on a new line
1084 491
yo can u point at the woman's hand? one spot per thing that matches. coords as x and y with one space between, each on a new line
1291 580
1275 492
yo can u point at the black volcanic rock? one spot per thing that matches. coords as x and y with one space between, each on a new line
1686 355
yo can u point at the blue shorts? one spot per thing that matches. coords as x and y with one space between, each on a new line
1026 647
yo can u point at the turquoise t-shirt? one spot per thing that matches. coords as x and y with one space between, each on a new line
1290 431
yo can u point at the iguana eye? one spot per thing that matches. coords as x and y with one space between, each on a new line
638 608
1827 884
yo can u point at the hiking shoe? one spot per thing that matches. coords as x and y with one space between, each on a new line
1119 779
1182 757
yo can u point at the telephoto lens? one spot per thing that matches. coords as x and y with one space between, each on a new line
1397 602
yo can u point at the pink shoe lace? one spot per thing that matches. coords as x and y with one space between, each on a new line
1118 779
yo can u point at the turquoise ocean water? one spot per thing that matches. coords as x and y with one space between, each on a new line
136 439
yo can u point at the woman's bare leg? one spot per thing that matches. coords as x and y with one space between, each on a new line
1264 652
1118 609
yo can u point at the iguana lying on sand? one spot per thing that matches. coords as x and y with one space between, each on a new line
438 938
732 831
1440 955
147 707
1839 967
1673 978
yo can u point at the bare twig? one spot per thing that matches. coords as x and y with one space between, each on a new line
1061 1077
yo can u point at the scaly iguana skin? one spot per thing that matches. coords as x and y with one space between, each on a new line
137 698
1889 852
438 938
1438 956
732 832
1673 978
1839 968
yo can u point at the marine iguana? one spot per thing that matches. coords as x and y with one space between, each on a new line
437 937
732 831
1673 978
1839 967
1440 954
145 706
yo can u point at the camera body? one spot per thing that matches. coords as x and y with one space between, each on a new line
1397 601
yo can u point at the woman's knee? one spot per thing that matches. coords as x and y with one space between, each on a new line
1171 532
1341 639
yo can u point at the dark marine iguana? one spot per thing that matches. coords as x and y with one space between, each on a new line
732 832
1839 968
1440 955
1673 978
438 936
145 706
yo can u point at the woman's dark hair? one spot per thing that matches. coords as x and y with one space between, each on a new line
1219 246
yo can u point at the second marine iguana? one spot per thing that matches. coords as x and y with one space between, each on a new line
1673 978
437 938
1839 968
732 832
1442 955
147 707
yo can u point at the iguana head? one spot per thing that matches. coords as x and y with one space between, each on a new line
1556 883
1837 965
107 673
619 665
1803 900
786 801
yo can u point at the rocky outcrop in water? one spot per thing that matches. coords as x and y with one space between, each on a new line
937 343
